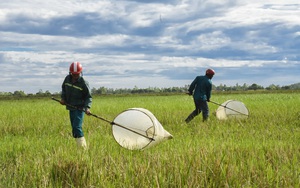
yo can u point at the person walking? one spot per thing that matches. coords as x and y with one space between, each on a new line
76 92
201 88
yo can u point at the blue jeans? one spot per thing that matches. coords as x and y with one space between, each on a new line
200 106
76 118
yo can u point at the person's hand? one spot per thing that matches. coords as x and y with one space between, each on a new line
208 100
87 111
62 102
188 93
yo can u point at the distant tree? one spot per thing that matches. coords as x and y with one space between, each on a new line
220 87
6 93
255 87
273 87
93 90
295 86
245 86
102 90
47 93
19 93
41 93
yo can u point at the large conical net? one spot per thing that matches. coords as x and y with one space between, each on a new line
232 109
139 129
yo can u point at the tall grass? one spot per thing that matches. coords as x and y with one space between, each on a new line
37 149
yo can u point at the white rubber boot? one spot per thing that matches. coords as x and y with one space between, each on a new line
81 143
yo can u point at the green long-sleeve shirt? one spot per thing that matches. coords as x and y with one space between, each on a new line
201 88
76 94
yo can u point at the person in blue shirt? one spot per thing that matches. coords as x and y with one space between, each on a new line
200 88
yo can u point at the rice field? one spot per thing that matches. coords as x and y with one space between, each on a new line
37 149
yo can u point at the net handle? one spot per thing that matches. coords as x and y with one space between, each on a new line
110 122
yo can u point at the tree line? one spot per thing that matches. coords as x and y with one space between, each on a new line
221 87
157 90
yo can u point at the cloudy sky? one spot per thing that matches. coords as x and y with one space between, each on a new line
144 43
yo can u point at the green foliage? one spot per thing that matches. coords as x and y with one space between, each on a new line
37 149
294 86
155 90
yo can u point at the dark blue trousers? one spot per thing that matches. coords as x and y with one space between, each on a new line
76 118
200 106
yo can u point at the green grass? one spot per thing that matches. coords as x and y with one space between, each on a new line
37 149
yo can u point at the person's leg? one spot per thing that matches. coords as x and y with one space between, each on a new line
196 112
205 110
76 117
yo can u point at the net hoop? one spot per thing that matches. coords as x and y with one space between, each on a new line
139 129
232 109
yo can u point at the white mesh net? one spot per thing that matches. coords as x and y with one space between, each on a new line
138 128
232 109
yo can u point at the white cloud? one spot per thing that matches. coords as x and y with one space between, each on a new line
211 41
147 43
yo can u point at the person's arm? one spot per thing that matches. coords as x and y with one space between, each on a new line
87 99
208 90
192 86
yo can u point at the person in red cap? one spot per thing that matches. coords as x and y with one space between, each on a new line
200 88
76 93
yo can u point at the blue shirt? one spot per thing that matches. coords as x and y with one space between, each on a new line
201 88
